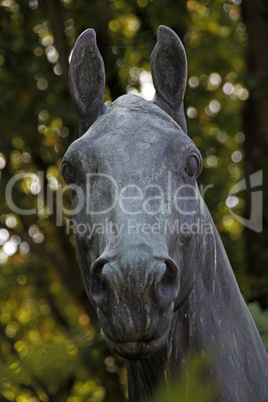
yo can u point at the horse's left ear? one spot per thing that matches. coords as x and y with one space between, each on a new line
169 73
87 79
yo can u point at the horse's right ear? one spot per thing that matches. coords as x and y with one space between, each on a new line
87 79
169 73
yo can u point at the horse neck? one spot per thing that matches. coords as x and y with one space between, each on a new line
214 319
145 376
215 296
214 277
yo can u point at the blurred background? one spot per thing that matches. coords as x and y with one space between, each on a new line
51 344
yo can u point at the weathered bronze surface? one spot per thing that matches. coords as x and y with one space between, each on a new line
152 261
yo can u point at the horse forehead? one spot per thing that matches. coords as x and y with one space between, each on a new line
132 118
133 127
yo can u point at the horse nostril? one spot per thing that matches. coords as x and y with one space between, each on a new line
98 283
170 282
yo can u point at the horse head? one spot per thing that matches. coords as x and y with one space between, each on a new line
132 175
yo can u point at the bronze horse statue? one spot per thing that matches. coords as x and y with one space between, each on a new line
152 262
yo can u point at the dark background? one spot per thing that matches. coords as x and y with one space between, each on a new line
51 344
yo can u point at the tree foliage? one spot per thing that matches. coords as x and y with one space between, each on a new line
51 344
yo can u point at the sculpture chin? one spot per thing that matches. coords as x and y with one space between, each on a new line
139 349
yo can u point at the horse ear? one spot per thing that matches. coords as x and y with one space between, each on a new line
169 73
87 79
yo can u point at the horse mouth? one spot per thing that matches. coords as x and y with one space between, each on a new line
135 350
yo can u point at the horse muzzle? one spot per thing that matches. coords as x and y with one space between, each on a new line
134 296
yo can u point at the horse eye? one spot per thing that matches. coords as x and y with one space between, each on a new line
191 166
68 173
